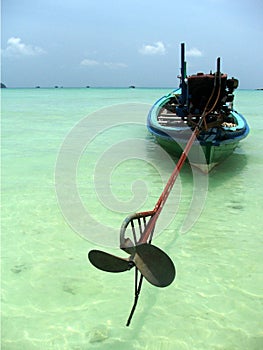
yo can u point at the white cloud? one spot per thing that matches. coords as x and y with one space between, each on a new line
157 48
115 65
194 52
15 47
88 62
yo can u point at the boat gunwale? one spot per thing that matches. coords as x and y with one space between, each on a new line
233 134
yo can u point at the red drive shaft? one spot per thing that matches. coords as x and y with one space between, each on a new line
161 201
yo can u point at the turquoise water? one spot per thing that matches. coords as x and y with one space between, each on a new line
69 180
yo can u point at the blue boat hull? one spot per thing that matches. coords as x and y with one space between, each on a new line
211 146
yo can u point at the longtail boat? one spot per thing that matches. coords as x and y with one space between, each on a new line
193 120
173 117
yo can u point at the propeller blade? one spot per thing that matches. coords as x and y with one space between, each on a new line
108 262
154 264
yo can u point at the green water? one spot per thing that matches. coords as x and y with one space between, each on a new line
52 298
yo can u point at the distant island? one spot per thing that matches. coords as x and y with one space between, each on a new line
3 86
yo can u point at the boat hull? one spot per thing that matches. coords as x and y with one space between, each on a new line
204 157
209 149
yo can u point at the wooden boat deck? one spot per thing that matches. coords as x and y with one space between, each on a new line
168 118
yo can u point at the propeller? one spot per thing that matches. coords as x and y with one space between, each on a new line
153 263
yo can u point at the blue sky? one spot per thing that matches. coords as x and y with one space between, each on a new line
128 42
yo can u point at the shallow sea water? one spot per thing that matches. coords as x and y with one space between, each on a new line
68 181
